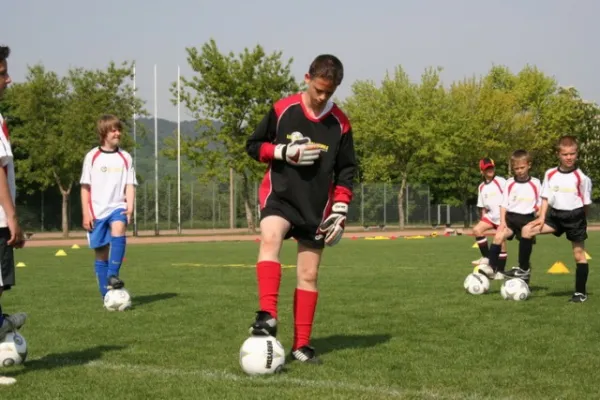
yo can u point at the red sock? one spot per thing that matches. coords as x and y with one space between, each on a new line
305 304
268 274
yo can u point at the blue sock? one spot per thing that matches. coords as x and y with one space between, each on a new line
117 252
101 276
1 316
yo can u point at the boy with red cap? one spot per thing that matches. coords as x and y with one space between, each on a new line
489 199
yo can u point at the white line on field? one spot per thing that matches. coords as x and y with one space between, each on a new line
226 376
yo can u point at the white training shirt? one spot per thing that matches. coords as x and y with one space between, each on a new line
108 173
522 197
490 197
7 162
567 190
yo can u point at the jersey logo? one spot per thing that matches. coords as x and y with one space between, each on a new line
104 168
297 136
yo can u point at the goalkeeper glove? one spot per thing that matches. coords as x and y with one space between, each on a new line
333 226
298 152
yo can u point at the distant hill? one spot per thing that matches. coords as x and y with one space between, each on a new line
145 150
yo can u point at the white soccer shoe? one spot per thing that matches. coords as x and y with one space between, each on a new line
482 260
499 276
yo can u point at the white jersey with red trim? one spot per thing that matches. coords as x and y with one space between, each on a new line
7 162
522 197
108 173
490 196
567 190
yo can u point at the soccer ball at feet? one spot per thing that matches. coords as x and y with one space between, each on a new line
476 283
262 355
515 289
117 300
13 349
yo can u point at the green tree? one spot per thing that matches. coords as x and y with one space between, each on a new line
394 125
236 90
56 122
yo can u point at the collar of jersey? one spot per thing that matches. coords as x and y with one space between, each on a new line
525 181
108 151
566 172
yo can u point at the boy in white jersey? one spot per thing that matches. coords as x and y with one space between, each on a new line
520 203
489 198
107 196
566 196
11 236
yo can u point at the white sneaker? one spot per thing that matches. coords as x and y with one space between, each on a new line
499 276
482 260
12 322
7 380
486 270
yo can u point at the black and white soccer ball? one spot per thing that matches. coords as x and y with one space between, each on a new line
13 349
476 283
262 355
515 289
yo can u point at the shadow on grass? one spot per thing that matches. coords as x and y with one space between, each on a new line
341 342
563 293
151 298
68 359
537 288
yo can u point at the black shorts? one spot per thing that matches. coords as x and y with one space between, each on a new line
306 233
571 222
7 261
515 222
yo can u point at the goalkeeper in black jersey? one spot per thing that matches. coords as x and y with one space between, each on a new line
306 141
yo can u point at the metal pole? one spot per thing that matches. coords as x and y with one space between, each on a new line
135 224
362 204
231 201
428 206
384 204
155 156
178 151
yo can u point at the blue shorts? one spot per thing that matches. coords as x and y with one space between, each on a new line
100 234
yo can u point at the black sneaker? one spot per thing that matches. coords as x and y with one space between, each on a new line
517 272
115 283
306 354
578 298
264 325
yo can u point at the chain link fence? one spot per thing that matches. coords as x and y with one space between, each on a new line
214 205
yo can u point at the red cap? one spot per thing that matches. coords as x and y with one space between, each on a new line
486 163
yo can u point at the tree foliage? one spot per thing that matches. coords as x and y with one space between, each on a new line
53 123
428 133
237 90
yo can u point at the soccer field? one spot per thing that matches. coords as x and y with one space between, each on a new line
393 321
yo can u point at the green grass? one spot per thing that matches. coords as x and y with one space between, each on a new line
392 321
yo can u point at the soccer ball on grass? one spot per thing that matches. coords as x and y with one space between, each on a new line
515 289
476 283
13 349
117 300
262 355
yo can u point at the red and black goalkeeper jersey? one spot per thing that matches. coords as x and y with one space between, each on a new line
311 190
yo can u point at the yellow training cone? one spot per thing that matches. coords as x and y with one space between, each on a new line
75 246
60 253
21 265
475 246
587 256
558 268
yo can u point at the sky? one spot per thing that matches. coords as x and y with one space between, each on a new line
464 37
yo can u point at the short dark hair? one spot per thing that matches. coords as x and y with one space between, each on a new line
4 53
327 66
